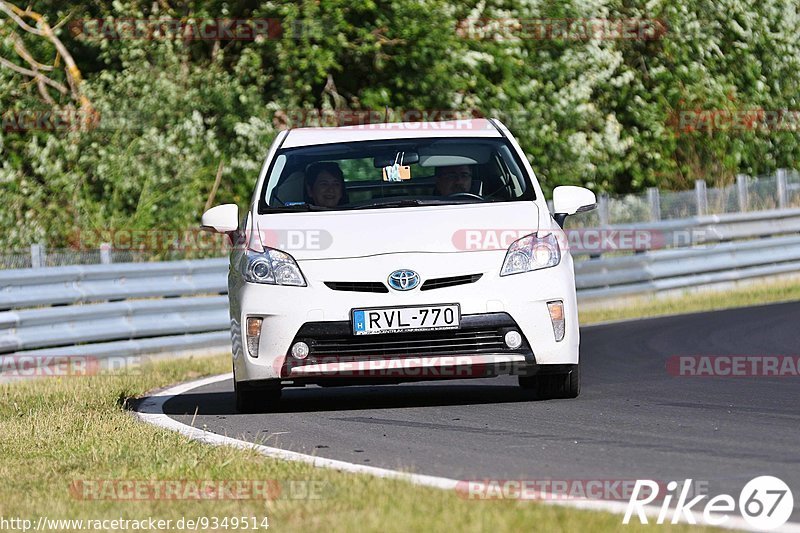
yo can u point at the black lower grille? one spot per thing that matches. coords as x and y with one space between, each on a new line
436 343
478 334
452 281
357 286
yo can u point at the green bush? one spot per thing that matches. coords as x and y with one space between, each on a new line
603 113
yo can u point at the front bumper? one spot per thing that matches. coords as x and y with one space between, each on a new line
476 349
322 315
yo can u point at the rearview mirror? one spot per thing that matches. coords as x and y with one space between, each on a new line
221 219
401 157
568 200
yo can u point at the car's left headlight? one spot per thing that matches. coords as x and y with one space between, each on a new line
272 267
532 252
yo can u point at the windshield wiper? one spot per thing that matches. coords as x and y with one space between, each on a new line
406 202
388 202
301 206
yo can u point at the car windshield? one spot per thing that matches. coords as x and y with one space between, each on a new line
394 173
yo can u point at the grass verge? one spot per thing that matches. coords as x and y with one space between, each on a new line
691 302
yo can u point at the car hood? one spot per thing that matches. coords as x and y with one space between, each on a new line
368 232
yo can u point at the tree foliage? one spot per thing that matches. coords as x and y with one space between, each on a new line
164 112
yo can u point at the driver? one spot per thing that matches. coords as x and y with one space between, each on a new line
325 184
453 180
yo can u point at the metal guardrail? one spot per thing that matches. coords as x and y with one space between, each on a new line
139 308
698 251
713 228
57 326
680 268
95 283
132 308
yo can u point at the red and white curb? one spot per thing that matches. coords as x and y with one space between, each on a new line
151 410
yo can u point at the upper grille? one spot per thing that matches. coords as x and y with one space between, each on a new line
451 281
377 286
357 286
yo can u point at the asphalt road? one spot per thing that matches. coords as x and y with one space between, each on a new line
632 420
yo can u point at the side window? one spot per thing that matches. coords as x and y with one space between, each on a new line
513 174
277 170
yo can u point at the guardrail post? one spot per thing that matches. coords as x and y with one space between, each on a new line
37 255
105 253
780 178
654 198
741 187
602 209
702 197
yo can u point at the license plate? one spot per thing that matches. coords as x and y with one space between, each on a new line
402 319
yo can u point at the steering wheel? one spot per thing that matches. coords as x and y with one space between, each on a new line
465 195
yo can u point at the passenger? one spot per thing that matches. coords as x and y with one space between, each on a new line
453 180
325 184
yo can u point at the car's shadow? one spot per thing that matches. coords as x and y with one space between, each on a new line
354 398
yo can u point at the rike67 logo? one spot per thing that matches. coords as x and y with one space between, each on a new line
765 503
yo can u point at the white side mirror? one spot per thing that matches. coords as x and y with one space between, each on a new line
221 219
568 200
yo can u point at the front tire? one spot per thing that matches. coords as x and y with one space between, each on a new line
256 399
554 386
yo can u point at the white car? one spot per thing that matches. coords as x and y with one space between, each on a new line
395 252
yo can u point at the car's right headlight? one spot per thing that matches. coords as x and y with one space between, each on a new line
271 267
531 252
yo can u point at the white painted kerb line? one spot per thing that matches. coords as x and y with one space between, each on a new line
151 410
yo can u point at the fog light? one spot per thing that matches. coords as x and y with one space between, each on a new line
253 335
513 339
557 318
300 350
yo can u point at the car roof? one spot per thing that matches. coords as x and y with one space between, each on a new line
479 127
